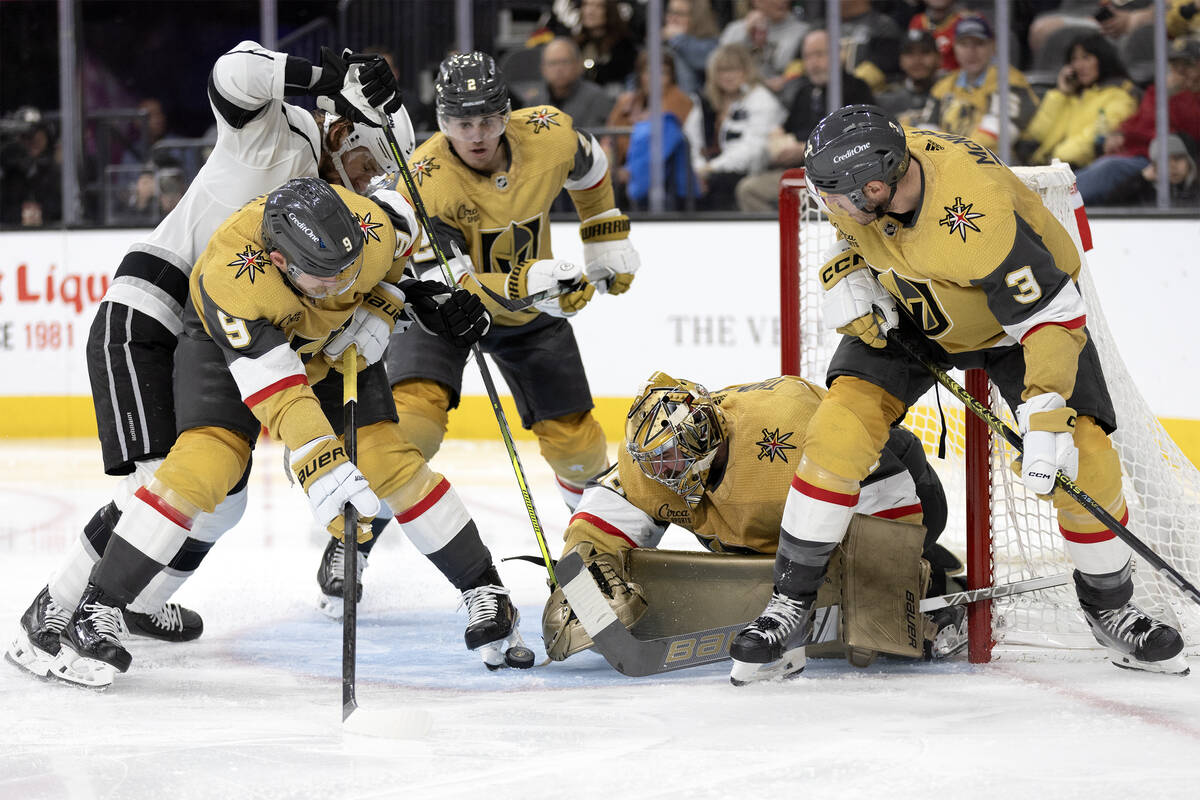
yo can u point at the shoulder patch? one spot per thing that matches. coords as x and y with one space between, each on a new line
423 168
541 119
368 226
249 262
774 444
959 218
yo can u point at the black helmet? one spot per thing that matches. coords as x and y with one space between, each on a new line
470 85
306 221
852 147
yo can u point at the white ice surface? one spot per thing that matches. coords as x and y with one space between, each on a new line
252 708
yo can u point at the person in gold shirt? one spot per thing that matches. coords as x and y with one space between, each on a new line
945 243
719 465
285 286
488 180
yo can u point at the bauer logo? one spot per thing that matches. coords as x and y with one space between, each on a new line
853 151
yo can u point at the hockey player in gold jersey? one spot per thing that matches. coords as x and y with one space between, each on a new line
286 284
720 466
940 239
488 180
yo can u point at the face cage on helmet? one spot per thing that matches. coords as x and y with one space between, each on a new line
446 122
375 140
679 453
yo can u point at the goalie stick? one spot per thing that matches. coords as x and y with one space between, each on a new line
639 658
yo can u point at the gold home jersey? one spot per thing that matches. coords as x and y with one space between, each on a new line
503 219
267 331
742 511
982 263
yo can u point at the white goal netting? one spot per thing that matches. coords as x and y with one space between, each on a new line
1021 538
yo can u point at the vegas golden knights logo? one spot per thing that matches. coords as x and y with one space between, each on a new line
505 247
922 306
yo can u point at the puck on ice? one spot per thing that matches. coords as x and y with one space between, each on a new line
519 657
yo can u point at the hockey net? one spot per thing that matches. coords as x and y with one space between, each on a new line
1007 534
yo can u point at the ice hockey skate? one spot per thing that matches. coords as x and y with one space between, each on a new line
35 643
772 646
1135 640
950 637
330 575
91 650
493 625
171 623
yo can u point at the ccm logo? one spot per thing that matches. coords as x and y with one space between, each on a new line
853 151
1040 475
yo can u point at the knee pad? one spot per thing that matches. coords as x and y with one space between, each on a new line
204 465
387 458
423 409
573 446
1099 477
849 429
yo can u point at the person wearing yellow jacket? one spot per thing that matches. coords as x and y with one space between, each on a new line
1092 97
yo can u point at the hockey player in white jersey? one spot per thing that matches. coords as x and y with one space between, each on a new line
262 142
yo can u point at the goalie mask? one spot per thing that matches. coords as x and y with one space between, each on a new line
850 148
308 223
673 433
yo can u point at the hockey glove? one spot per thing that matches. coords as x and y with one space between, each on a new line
456 315
1047 428
370 327
399 211
331 481
609 260
378 82
531 277
855 304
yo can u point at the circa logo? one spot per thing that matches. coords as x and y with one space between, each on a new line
304 227
853 151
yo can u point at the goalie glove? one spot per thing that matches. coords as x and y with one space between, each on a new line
531 277
331 481
855 304
1047 426
455 315
370 327
609 260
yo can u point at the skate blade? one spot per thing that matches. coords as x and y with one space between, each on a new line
507 652
70 667
791 665
1176 665
23 654
331 606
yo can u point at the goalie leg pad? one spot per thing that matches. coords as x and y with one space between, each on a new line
562 633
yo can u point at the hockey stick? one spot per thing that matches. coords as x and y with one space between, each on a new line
406 723
1062 481
485 373
638 658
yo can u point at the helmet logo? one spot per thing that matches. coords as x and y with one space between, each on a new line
306 229
773 444
853 151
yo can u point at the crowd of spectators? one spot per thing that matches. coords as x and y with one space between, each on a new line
744 81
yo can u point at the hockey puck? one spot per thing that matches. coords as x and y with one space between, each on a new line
519 657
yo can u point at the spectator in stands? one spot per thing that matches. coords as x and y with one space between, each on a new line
938 19
1183 18
690 30
771 34
1126 150
633 106
785 144
968 101
1092 97
1112 19
567 89
919 61
870 44
1141 188
30 176
604 40
728 130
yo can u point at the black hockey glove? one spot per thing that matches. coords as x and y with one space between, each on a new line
378 82
328 87
455 315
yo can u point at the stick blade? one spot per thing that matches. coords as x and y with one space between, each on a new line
393 723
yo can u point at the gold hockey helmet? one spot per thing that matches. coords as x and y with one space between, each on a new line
673 432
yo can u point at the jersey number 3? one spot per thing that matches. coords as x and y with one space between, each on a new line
1028 289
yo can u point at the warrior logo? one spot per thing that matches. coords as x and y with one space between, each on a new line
504 248
424 168
542 118
249 262
368 227
773 444
958 218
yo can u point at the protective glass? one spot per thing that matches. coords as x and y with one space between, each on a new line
319 288
473 128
